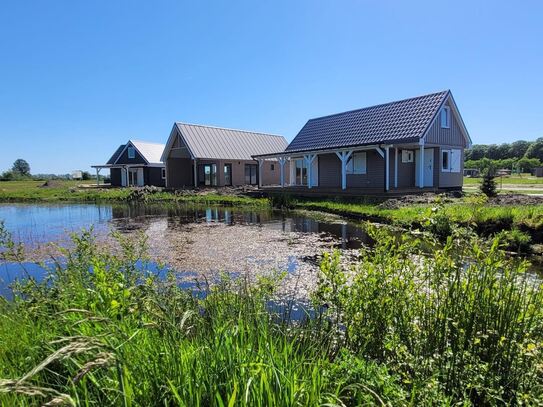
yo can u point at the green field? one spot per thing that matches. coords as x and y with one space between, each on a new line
524 180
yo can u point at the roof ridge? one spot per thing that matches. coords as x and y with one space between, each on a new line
145 142
229 128
379 105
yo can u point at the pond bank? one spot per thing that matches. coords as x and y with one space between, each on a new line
506 212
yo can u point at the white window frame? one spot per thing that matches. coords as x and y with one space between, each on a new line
163 173
445 114
352 169
407 156
451 152
448 168
131 152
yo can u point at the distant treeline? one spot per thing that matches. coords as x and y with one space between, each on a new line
520 155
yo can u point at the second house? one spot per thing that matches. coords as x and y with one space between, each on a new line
205 156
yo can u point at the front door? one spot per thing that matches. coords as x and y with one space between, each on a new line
209 178
428 167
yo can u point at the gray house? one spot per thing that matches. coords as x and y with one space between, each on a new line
205 156
410 144
136 163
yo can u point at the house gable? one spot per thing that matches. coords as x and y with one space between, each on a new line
124 159
454 135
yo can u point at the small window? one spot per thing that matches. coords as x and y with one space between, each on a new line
131 152
446 160
445 117
357 164
272 167
163 173
407 156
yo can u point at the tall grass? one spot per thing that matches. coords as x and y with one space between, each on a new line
466 323
393 329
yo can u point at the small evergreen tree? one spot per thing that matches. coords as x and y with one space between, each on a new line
488 185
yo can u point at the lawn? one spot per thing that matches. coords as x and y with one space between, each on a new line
68 191
523 179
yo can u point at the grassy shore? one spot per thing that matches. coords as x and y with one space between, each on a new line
68 191
387 330
468 211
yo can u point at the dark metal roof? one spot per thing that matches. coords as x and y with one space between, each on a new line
116 155
405 120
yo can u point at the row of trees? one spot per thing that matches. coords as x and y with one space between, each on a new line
513 164
20 170
516 150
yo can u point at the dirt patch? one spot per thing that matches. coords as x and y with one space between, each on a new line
52 183
516 199
426 198
233 191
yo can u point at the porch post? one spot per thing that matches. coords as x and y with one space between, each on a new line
421 165
282 169
309 158
195 174
396 167
97 177
344 158
260 165
387 168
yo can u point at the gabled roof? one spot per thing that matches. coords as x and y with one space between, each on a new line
116 154
221 143
401 121
151 152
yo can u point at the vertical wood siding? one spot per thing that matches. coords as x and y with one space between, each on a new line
451 136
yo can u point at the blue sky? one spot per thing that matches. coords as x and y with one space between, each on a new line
78 78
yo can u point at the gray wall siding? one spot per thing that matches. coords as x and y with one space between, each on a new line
406 171
451 136
115 175
375 173
153 176
329 171
179 172
448 179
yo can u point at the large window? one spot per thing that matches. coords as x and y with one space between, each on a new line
301 172
227 174
131 152
357 163
251 176
445 117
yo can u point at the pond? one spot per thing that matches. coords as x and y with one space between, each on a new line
194 241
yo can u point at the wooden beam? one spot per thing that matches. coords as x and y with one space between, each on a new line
344 158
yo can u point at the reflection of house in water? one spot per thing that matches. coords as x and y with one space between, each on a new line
160 218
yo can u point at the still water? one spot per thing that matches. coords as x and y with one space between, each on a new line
194 241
